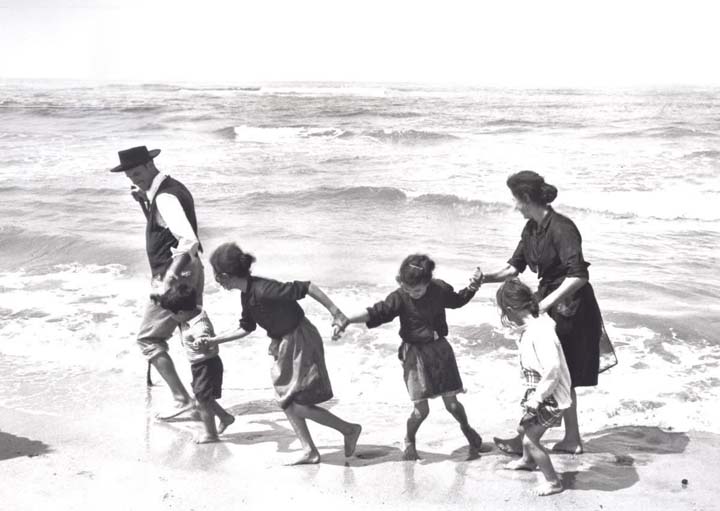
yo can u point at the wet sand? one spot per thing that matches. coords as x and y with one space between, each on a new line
116 456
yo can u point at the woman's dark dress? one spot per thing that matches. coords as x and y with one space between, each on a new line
429 365
553 250
299 373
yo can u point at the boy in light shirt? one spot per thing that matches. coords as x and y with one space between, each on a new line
205 363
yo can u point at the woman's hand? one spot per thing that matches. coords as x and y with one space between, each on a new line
340 323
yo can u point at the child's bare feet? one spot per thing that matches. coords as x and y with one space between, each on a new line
547 488
351 440
206 439
473 438
510 445
308 458
521 464
568 446
224 423
410 453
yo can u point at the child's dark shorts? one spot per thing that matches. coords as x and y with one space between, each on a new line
207 379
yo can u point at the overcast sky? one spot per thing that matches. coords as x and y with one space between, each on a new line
564 43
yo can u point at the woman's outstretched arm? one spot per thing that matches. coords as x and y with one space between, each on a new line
498 276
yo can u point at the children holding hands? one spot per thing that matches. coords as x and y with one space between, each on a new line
429 366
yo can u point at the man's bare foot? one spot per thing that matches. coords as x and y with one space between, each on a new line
510 445
206 439
547 488
569 447
410 453
224 423
179 408
309 458
521 464
351 440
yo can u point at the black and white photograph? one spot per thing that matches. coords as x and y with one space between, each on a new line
342 255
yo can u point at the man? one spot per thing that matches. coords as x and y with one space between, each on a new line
172 246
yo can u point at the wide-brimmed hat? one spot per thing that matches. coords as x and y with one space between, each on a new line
133 157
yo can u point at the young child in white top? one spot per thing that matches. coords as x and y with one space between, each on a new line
205 363
547 379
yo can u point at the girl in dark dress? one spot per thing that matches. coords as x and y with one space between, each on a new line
429 365
299 374
551 246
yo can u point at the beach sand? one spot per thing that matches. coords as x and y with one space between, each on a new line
112 455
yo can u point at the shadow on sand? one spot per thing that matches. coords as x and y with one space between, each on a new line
12 446
611 457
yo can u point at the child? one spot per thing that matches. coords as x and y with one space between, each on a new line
547 378
429 365
299 374
206 366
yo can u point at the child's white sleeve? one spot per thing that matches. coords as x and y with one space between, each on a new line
547 354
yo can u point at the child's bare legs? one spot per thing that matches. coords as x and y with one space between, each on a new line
571 442
534 453
297 415
418 415
207 415
526 461
223 416
457 410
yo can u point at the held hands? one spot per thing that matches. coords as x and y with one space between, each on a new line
477 279
202 344
340 323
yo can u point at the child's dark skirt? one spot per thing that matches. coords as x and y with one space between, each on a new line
430 369
207 379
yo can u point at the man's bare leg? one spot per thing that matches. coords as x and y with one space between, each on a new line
166 368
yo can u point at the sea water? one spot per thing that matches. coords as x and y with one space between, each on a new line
336 183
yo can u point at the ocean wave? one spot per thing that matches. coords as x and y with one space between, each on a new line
141 109
355 193
453 201
326 91
275 134
671 132
160 87
510 122
710 154
408 136
368 112
35 251
667 205
221 89
278 134
371 194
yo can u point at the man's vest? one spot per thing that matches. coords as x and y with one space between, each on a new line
158 239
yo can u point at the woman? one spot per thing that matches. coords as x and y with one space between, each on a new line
551 246
299 374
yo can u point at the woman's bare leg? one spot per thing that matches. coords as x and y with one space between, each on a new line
571 443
